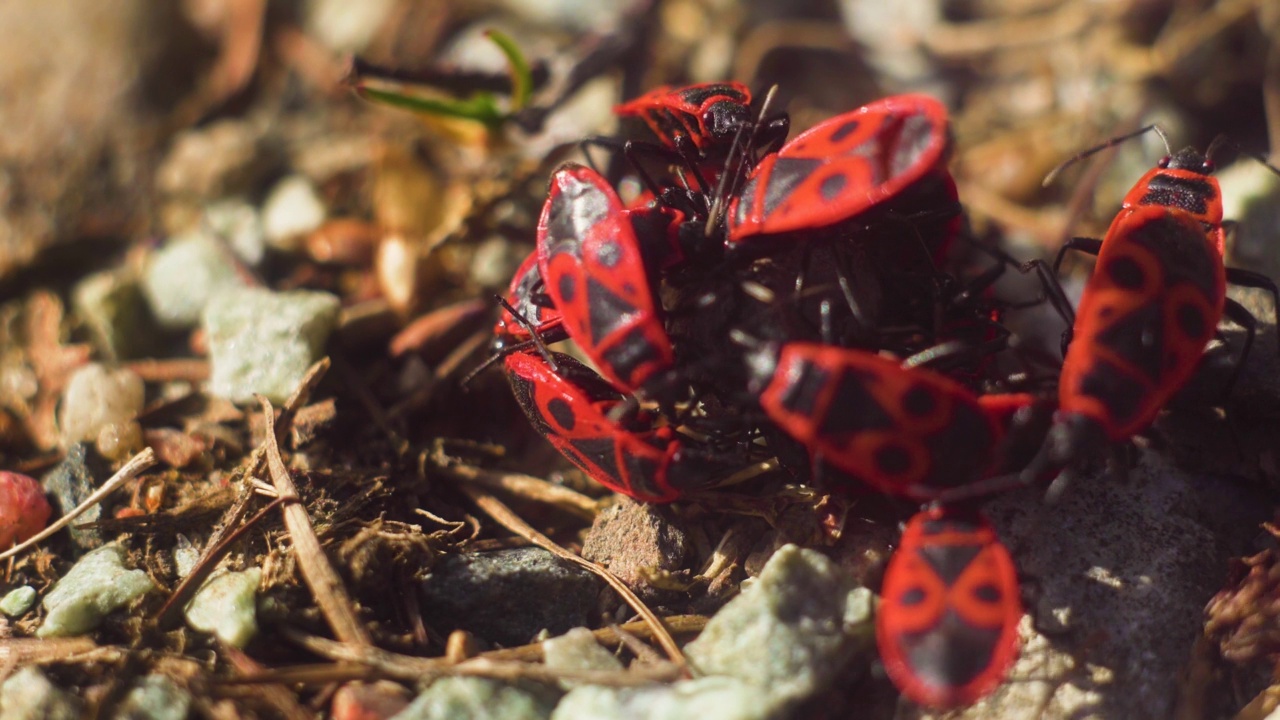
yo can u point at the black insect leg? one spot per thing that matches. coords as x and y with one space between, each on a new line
1250 279
1086 245
1240 315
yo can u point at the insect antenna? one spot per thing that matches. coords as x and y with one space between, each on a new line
1053 174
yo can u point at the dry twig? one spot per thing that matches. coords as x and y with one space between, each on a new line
131 469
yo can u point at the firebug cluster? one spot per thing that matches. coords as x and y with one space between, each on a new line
806 301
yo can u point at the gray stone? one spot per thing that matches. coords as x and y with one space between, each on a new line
113 307
1123 570
708 698
18 601
635 541
155 697
792 632
182 276
577 650
28 695
226 157
473 698
343 26
224 606
72 481
97 585
236 220
508 596
292 210
263 342
97 397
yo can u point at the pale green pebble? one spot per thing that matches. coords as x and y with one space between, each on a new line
18 601
792 633
237 220
577 650
28 695
155 697
185 555
261 342
97 585
183 275
473 698
113 307
708 698
292 209
224 607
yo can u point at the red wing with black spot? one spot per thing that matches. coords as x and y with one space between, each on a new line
594 271
571 410
709 114
1148 310
907 432
947 624
843 167
525 288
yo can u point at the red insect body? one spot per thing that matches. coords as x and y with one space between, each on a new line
1153 301
1147 313
947 624
524 285
570 408
908 432
845 166
709 114
595 272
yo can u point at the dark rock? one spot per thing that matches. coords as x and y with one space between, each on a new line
638 542
508 596
70 482
1116 573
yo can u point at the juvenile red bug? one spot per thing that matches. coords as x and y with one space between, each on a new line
1152 304
595 272
904 431
708 114
571 407
947 624
845 166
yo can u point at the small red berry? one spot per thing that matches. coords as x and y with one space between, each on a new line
24 511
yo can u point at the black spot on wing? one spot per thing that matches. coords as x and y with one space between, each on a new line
1125 272
832 185
562 413
609 253
845 130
